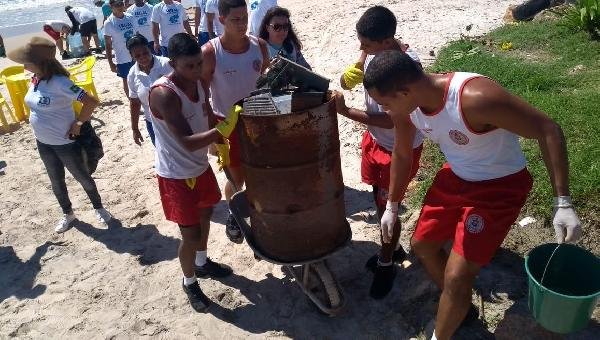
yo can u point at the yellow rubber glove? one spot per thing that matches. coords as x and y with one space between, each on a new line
353 76
226 126
223 154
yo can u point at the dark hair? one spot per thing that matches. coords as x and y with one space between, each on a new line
225 6
391 71
68 8
135 41
183 45
377 23
292 39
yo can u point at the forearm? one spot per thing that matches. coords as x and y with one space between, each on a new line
554 152
200 140
381 120
399 175
86 111
155 32
210 17
108 52
134 109
187 27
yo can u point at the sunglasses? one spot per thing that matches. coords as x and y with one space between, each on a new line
279 27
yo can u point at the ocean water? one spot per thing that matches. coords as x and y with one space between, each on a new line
27 16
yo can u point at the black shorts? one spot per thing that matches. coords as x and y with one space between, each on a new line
88 28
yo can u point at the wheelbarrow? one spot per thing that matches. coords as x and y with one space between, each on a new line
329 298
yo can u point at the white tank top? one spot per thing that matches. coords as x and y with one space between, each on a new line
385 137
235 75
172 160
472 156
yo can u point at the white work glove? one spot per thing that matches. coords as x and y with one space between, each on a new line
565 220
388 220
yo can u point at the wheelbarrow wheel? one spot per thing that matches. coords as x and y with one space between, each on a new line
329 284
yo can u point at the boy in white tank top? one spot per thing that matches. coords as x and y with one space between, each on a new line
232 64
188 188
376 29
478 194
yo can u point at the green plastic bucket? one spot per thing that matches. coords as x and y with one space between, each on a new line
570 290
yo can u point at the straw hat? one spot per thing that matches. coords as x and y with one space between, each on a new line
36 50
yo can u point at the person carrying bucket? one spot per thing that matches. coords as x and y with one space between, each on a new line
376 29
479 192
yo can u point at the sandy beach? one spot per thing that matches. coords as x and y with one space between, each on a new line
124 281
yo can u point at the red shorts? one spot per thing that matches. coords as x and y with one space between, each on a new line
52 33
475 215
375 166
234 147
182 199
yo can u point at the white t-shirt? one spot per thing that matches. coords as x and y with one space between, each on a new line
57 25
82 14
120 30
203 26
170 19
258 9
51 105
212 6
142 16
139 82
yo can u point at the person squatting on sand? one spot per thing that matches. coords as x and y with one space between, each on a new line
188 187
59 30
50 98
233 63
84 21
376 29
477 195
118 28
147 69
277 30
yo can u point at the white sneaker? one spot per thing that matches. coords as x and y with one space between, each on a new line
64 224
103 215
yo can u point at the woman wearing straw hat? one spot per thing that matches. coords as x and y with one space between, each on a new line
50 98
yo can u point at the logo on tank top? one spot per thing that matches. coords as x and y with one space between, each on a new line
474 224
256 64
458 137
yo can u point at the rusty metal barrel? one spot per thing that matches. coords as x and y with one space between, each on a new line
294 183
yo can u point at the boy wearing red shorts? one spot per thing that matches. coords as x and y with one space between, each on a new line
187 184
233 63
376 29
479 192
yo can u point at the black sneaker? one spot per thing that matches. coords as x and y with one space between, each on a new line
397 257
471 317
232 230
212 269
383 281
198 300
65 55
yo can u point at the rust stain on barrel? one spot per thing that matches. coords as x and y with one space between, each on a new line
294 182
